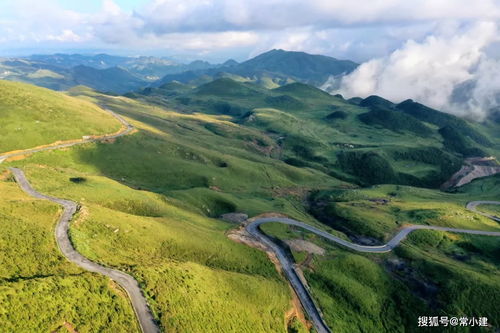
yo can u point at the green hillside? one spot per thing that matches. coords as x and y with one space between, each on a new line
337 137
39 289
156 222
32 116
270 70
151 203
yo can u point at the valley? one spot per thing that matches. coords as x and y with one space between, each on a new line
152 171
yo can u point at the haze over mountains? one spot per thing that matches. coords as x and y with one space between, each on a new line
123 74
237 139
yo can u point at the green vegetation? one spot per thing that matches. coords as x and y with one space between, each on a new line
395 121
308 128
454 140
31 116
39 289
431 272
182 259
150 199
490 209
388 207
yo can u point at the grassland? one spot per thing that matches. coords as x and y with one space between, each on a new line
150 198
431 272
39 289
195 278
376 212
490 209
32 116
332 135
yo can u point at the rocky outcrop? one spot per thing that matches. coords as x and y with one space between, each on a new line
474 167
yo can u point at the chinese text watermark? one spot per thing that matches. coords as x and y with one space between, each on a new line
444 321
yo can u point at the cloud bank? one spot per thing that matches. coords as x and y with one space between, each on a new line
450 71
443 53
350 29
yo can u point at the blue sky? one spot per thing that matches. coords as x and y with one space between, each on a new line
90 6
219 29
420 49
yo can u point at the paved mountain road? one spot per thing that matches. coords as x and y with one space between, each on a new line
127 282
128 128
290 270
131 286
473 207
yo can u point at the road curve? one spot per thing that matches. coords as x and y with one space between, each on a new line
128 128
472 206
293 276
127 282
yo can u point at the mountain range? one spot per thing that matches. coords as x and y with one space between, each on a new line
159 178
115 74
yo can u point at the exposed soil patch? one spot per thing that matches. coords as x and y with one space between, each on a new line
298 192
301 245
65 327
234 217
117 289
83 214
473 168
5 176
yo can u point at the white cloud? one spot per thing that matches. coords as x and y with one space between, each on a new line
428 50
431 72
67 35
355 29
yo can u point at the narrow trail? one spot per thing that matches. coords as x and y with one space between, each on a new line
291 271
126 130
127 282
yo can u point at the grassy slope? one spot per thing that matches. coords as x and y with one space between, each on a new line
32 116
431 272
349 210
35 276
298 118
182 258
490 209
212 166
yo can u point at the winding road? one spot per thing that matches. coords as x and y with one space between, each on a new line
130 285
472 206
127 282
128 128
291 271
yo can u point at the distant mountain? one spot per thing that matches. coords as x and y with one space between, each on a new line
303 67
146 67
117 74
365 141
275 68
114 79
67 61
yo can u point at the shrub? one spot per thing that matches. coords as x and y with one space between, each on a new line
78 180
